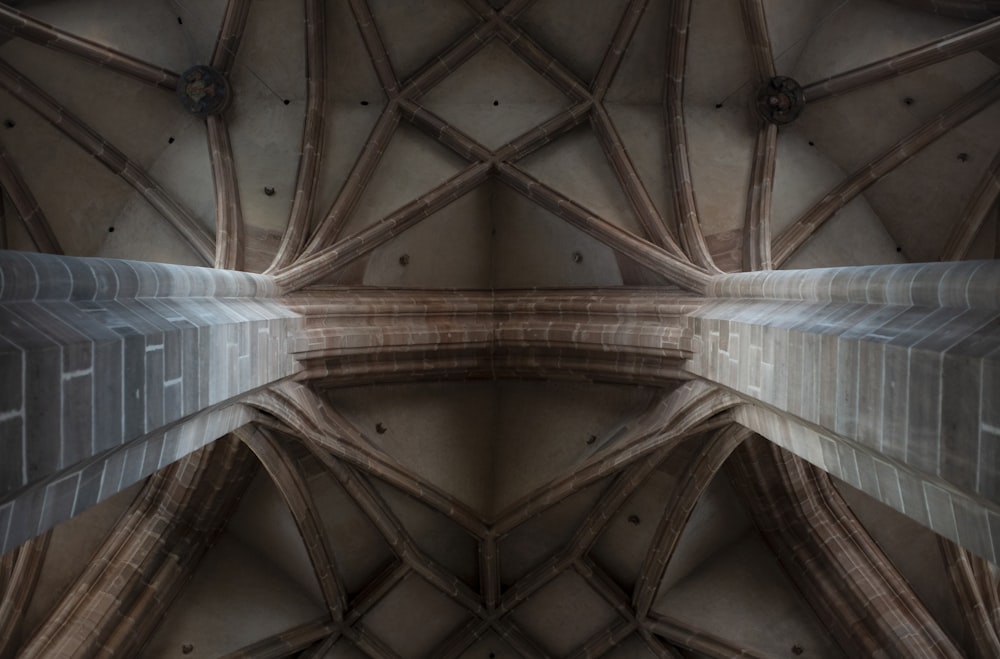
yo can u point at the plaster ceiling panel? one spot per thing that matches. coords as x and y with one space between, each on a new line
719 68
533 247
266 133
575 165
495 97
545 430
141 233
855 128
564 614
147 29
578 39
415 32
412 165
639 79
632 647
351 75
854 236
986 244
264 523
720 146
716 521
414 618
453 248
235 597
358 548
761 610
441 539
643 132
490 645
534 541
864 31
923 199
344 649
790 24
442 431
908 545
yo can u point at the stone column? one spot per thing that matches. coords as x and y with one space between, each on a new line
887 377
110 370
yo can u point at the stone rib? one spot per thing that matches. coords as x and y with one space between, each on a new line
26 206
653 223
443 132
616 49
810 222
949 46
544 133
288 642
697 476
311 158
291 484
685 209
755 27
231 31
44 34
228 211
983 200
656 259
974 588
117 162
757 225
19 572
696 639
375 46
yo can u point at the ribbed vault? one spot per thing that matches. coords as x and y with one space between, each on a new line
493 217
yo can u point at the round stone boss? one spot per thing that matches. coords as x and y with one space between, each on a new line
780 100
203 91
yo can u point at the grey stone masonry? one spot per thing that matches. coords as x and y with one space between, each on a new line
886 376
112 369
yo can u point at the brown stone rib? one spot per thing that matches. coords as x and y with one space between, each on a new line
19 572
311 158
441 65
696 639
291 484
652 257
697 475
976 591
94 144
368 643
460 639
288 642
616 49
653 223
120 598
973 10
949 46
803 228
854 588
26 206
376 48
228 212
227 44
685 209
326 260
446 134
26 27
757 225
357 181
306 415
544 133
604 641
983 200
755 27
545 64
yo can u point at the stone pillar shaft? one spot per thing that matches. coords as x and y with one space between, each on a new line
110 370
886 376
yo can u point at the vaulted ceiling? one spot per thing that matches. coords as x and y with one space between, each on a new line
420 151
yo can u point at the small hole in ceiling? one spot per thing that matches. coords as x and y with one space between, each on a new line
364 102
187 648
180 21
286 101
797 649
908 101
492 655
592 439
404 259
8 123
111 229
496 103
577 257
380 428
633 520
718 105
170 140
963 157
269 191
811 143
899 249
